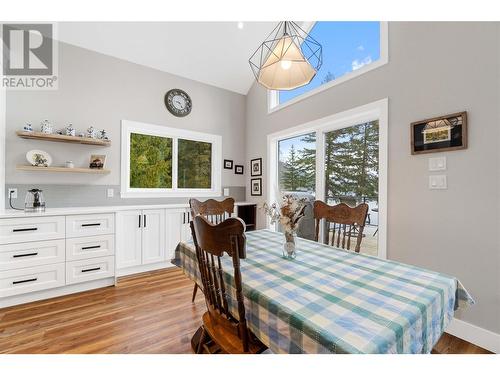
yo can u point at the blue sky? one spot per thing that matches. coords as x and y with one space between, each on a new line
347 46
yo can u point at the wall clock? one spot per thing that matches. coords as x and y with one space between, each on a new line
178 102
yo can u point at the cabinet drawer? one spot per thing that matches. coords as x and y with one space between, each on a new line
90 247
26 280
31 229
89 269
89 225
31 254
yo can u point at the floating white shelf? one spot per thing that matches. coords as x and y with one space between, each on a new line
61 169
63 138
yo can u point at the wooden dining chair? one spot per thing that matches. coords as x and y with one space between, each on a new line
215 211
222 332
347 222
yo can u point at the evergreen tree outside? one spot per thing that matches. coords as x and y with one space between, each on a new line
150 161
351 163
194 164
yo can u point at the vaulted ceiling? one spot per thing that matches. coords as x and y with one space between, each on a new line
214 53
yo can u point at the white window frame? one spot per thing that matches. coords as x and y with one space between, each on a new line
373 111
274 105
126 191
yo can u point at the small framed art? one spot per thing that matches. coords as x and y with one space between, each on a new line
256 167
97 161
228 164
238 169
444 133
256 187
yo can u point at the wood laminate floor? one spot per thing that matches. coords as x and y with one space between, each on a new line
147 313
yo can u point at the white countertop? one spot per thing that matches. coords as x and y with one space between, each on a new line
5 214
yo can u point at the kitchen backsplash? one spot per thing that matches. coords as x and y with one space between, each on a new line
95 195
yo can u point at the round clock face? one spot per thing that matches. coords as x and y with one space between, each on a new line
178 103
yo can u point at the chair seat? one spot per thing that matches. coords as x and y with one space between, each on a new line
227 338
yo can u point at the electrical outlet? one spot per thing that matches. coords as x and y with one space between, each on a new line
226 192
13 193
111 193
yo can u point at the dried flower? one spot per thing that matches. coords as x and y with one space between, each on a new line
288 213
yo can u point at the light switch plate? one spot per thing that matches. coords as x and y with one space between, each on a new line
111 193
226 192
438 182
437 164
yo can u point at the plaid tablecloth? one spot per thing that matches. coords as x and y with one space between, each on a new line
329 300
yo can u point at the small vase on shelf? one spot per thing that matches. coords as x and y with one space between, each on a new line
289 245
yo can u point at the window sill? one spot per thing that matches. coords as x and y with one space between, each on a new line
171 194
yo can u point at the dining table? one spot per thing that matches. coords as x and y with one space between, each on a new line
329 300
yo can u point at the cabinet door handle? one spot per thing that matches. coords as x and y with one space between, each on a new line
183 218
24 281
140 216
144 221
91 225
91 247
92 269
24 255
24 229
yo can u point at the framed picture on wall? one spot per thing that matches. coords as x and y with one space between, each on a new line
444 133
256 187
238 169
228 164
256 167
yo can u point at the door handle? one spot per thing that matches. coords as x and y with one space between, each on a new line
24 255
140 216
144 220
91 225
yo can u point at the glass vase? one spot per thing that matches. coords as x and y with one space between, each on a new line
289 245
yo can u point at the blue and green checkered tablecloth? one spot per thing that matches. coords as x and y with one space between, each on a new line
328 300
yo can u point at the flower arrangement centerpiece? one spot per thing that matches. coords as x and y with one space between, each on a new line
288 214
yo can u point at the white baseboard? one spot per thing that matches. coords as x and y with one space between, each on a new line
474 334
143 268
56 292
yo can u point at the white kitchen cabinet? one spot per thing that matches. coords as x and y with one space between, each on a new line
186 227
175 225
128 239
141 241
153 236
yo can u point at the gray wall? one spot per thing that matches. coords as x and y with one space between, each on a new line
434 69
100 90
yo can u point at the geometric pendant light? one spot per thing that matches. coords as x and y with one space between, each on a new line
287 59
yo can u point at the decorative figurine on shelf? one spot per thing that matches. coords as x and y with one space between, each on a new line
46 127
28 127
70 130
91 132
103 135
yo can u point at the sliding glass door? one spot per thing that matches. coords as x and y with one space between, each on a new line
351 173
338 159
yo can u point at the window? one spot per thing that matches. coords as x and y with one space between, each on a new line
297 164
161 162
195 160
349 49
338 159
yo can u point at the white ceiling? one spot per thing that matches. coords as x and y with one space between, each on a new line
215 53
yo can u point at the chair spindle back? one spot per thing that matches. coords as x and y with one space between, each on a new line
347 222
211 242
